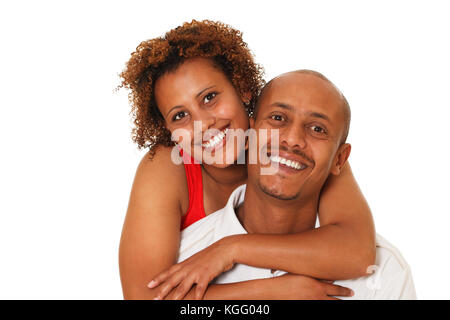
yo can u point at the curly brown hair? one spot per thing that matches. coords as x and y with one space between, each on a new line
208 39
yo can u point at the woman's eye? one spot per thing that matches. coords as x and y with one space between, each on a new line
179 115
209 97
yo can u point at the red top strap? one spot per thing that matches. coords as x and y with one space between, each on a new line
196 211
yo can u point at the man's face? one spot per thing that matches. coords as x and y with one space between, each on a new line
308 113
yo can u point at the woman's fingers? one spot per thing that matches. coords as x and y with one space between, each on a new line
328 281
332 298
335 290
159 278
168 285
163 276
200 289
183 288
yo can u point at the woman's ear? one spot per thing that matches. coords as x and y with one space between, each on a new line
252 122
247 138
341 158
246 98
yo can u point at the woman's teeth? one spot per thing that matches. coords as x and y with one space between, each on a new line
211 143
290 163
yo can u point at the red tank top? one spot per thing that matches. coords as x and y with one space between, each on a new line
196 211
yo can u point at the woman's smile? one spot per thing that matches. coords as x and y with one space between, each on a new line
208 118
216 141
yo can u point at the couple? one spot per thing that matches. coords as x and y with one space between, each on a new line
233 240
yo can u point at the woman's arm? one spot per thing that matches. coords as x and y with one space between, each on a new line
151 235
286 287
342 248
151 231
342 205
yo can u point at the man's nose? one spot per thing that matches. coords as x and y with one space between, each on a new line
294 136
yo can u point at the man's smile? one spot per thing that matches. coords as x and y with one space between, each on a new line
290 163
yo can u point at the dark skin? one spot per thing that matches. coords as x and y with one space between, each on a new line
308 113
150 239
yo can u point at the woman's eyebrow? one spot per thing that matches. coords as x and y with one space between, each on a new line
198 94
168 112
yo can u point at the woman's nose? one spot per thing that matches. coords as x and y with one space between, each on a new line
207 120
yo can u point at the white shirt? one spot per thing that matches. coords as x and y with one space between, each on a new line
391 280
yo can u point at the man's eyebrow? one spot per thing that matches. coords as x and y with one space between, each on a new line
319 115
311 113
282 105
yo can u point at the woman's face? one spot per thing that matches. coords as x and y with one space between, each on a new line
198 95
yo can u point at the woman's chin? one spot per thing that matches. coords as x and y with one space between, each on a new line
218 163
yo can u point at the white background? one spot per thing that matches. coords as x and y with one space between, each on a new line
68 162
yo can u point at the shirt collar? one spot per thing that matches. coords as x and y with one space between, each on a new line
228 223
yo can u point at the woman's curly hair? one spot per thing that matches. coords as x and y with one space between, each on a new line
152 58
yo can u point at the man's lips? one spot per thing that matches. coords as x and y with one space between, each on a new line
289 160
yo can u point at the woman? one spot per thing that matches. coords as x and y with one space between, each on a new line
203 71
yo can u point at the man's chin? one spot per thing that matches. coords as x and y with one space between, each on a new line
277 193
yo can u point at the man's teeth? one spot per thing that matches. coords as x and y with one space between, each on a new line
211 143
290 163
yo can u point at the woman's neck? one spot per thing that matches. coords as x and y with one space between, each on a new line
231 176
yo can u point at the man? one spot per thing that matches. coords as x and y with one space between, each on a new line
312 118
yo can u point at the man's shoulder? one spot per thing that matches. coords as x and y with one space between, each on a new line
202 225
390 277
212 228
392 274
389 256
199 235
221 216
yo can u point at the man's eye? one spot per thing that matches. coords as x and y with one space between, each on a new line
209 97
318 129
277 117
179 115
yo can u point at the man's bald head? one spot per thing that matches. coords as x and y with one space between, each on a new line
345 107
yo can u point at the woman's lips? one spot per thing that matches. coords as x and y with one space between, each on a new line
216 140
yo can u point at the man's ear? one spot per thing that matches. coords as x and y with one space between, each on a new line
341 158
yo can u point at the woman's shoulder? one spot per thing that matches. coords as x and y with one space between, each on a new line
159 173
160 163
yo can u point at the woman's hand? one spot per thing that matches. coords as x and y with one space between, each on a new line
199 269
298 287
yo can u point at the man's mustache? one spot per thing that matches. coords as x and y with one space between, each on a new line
298 153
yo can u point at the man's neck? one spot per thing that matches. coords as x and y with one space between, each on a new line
262 213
